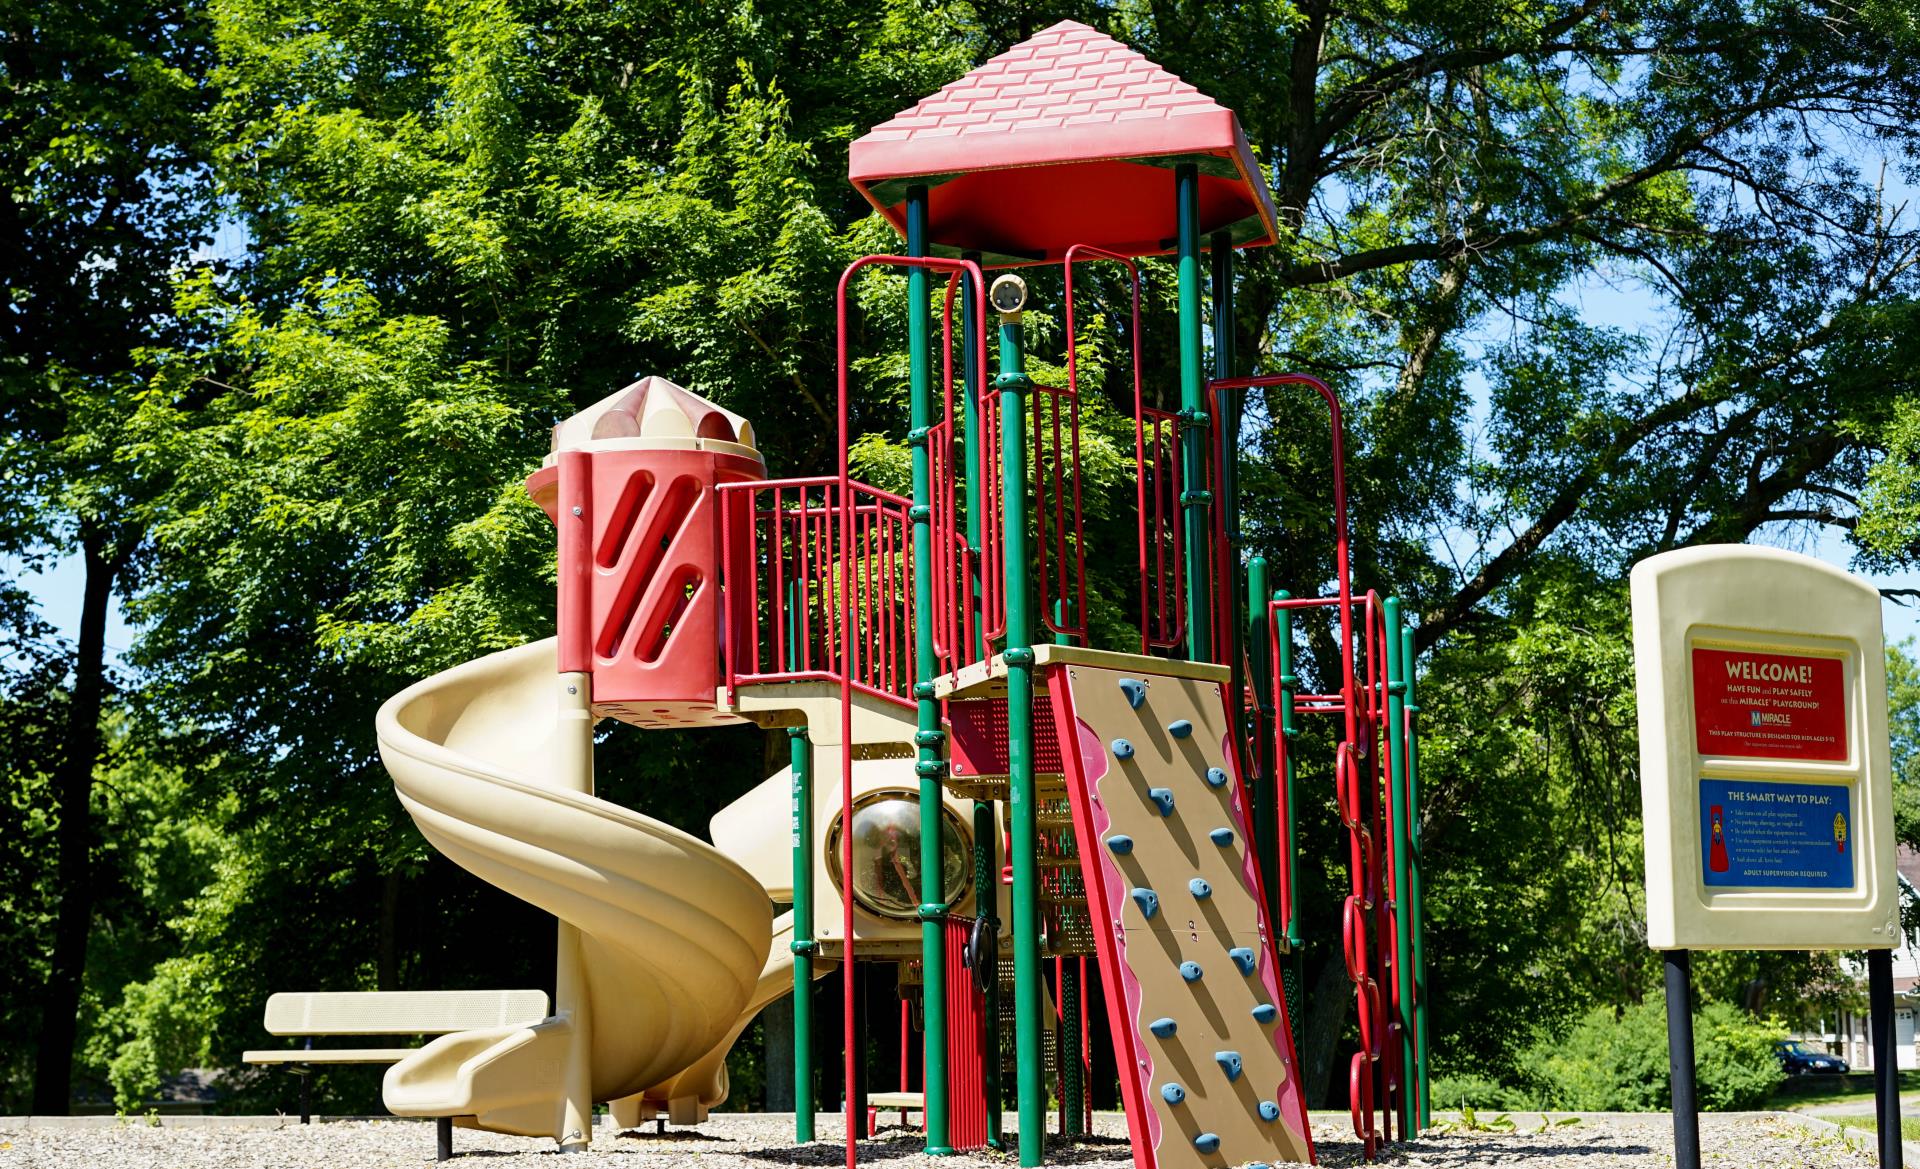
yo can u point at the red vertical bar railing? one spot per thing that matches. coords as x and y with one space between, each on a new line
791 560
986 452
1060 536
1162 563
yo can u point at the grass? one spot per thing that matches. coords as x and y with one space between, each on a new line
1800 1092
1909 1125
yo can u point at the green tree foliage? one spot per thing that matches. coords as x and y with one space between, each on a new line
1613 1062
464 220
106 198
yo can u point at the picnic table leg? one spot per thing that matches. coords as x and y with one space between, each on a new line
306 1094
442 1137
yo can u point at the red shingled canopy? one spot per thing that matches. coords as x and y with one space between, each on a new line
1067 138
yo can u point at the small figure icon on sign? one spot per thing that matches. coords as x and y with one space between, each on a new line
1840 832
1717 854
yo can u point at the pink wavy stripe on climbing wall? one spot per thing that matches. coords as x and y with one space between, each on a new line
1093 758
1293 1106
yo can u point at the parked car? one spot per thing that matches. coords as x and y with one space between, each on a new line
1800 1059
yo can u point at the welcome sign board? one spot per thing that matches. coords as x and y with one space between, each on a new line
1764 776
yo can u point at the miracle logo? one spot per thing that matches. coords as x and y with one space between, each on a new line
1766 718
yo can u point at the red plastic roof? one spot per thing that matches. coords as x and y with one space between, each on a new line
1068 137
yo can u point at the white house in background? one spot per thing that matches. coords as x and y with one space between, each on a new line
1848 1038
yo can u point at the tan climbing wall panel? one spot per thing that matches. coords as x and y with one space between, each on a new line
1161 820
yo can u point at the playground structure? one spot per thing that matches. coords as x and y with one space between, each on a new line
1136 806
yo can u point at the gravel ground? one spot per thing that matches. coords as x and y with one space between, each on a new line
748 1141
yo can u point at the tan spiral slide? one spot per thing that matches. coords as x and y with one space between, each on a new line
666 947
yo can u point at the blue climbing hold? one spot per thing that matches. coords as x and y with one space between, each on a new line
1162 798
1173 1093
1135 690
1243 958
1148 901
1121 845
1269 1110
1221 836
1207 1142
1122 749
1180 728
1257 1165
1215 777
1229 1062
1163 1028
1265 1013
1199 888
1190 971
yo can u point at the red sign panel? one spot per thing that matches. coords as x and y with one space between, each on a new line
1752 705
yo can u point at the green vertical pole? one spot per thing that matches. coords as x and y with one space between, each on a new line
1294 971
1266 840
1227 455
929 740
1193 418
986 887
1013 385
803 945
1402 869
1417 910
800 753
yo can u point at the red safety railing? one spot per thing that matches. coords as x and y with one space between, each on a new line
1162 546
833 599
1060 556
956 566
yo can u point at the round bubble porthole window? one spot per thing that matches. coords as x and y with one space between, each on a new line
886 854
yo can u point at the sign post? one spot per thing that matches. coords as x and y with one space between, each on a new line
1766 791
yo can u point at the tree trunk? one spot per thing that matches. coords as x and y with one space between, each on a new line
387 958
1326 1011
776 1024
53 1064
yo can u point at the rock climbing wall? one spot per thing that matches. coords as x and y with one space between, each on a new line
1203 1044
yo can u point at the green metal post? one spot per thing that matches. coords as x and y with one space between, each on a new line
1266 837
800 753
1013 385
929 740
1402 869
803 945
1293 973
1193 418
986 889
1418 909
1227 455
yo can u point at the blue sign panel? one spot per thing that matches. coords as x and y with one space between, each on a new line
1759 833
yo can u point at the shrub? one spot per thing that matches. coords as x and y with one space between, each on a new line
1619 1064
1452 1093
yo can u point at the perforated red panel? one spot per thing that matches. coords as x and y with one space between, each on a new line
979 728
